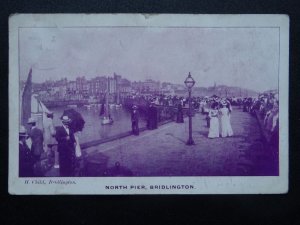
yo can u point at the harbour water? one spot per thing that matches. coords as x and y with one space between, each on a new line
93 129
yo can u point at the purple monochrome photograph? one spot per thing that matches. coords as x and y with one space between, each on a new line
85 89
148 101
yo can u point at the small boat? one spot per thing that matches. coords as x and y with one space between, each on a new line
104 111
107 120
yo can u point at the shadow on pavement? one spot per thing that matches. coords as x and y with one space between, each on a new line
177 138
96 166
202 133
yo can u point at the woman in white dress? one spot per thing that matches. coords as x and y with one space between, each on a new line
214 121
226 130
229 107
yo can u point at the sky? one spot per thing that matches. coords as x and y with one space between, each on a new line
243 57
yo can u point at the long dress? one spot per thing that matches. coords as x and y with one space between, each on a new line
226 129
214 124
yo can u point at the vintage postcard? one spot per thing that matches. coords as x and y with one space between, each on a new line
148 104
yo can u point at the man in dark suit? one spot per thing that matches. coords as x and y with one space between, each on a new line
179 113
135 120
25 156
37 138
66 148
152 117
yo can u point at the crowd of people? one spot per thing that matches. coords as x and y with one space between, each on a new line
266 107
161 100
217 110
59 146
40 149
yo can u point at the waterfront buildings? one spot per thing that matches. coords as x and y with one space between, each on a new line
118 88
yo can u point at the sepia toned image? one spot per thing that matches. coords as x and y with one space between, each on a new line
149 100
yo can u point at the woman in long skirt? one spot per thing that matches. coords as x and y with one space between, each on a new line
214 121
226 130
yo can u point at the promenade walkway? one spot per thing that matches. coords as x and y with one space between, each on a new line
162 152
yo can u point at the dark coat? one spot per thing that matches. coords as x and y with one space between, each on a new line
66 148
25 160
135 122
152 118
179 114
135 116
37 139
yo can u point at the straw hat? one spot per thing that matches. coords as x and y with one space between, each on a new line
65 120
223 102
31 120
22 132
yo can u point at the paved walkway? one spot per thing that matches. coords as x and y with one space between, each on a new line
163 152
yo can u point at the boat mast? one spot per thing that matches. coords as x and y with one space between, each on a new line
106 99
26 100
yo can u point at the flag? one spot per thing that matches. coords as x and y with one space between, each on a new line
26 100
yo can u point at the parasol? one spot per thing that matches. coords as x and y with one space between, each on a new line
77 121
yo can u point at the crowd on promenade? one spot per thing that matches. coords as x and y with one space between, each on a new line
174 100
266 108
60 145
156 99
217 110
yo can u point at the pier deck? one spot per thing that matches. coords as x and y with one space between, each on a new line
163 152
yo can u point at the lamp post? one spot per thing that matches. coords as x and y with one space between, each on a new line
189 83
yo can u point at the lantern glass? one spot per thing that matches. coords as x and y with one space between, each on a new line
189 81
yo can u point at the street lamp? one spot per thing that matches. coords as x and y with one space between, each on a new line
189 83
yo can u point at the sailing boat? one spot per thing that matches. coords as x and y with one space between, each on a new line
105 111
118 105
25 104
31 105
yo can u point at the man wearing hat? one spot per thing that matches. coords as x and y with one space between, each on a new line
179 113
135 120
37 139
49 138
66 148
152 117
25 155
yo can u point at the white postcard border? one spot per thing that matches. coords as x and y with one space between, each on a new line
116 185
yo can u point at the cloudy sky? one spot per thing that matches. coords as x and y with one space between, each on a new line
246 57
